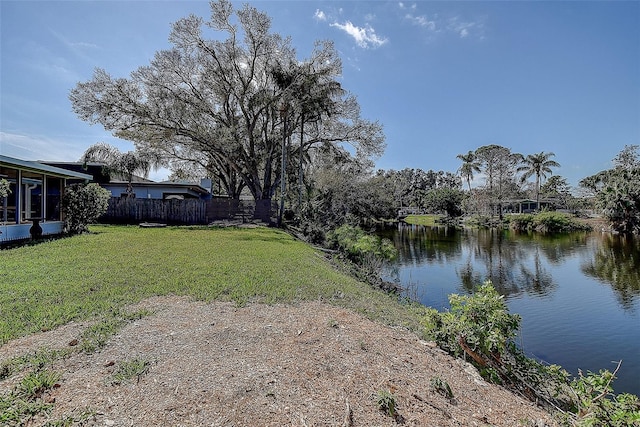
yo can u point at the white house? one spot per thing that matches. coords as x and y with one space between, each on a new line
33 204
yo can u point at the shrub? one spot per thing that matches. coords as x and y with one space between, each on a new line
479 326
361 247
82 204
4 188
545 222
484 221
387 402
553 222
366 254
597 405
521 222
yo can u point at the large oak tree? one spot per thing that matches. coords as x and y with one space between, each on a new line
222 102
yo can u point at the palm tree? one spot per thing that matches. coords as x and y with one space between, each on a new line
307 94
469 166
126 164
539 165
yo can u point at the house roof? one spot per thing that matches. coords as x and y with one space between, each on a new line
115 179
164 184
97 170
41 168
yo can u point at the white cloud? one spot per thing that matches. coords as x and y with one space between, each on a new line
453 25
320 15
59 149
80 49
465 29
83 45
57 69
402 6
37 147
422 21
365 37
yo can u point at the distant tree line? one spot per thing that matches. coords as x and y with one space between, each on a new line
616 191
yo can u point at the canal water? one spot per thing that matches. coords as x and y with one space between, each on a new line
578 294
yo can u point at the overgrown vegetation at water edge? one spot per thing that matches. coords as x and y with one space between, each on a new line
479 327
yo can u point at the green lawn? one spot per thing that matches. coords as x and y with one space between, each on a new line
422 219
94 275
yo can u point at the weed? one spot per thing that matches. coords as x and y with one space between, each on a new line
387 402
95 337
129 370
35 383
39 359
332 323
442 387
16 411
137 315
75 419
24 402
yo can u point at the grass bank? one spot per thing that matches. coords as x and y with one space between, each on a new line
92 275
429 220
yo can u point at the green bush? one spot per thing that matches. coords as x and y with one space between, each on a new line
478 323
599 406
4 188
480 327
521 222
360 246
545 222
553 222
82 204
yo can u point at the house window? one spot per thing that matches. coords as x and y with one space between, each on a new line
31 195
53 199
8 204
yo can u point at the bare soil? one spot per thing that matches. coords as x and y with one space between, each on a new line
309 364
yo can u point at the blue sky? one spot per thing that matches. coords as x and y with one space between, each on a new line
442 77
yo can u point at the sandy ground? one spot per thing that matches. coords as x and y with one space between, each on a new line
309 364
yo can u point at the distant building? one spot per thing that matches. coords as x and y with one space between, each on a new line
526 205
142 188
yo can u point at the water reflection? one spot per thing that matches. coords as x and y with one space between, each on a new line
436 244
513 267
578 294
520 263
616 262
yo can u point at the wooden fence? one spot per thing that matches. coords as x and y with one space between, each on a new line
187 211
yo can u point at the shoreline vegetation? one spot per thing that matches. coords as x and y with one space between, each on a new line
117 266
542 222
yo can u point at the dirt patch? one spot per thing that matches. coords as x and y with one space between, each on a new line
309 364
